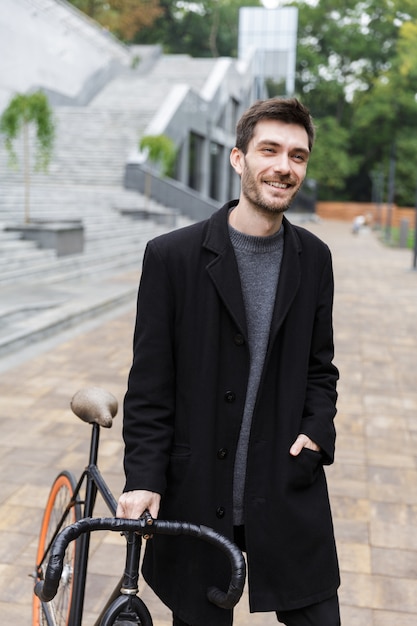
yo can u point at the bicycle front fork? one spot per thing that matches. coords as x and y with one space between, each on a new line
131 573
125 606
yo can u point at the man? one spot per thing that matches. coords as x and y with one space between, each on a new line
231 397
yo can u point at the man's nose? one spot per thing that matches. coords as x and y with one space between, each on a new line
282 163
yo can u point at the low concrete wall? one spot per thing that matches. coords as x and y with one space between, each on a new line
170 193
65 237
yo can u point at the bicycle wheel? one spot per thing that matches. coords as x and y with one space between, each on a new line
58 514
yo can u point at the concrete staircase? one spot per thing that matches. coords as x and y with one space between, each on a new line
85 177
91 148
146 92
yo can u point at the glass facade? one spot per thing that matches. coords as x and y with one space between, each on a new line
270 34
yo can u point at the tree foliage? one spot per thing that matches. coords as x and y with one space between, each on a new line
160 150
331 141
22 111
208 28
124 18
357 65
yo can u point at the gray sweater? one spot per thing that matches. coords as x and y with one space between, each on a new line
259 262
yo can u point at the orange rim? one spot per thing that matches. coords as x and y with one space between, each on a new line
60 494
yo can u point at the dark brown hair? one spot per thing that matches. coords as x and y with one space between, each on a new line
288 110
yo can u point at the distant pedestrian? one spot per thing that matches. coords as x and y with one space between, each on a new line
358 223
231 397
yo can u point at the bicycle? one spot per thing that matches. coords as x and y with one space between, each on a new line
62 557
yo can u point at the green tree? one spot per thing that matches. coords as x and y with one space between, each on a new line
23 111
342 47
387 115
331 164
355 64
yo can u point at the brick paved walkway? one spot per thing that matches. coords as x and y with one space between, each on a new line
373 483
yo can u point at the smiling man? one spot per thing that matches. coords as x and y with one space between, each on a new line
232 393
272 165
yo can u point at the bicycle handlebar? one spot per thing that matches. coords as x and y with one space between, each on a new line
46 589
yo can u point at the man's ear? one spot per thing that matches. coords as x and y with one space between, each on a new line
236 160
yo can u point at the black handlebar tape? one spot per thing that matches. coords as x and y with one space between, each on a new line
47 589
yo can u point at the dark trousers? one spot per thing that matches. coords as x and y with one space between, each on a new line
324 613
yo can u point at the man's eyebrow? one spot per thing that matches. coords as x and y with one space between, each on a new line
304 151
268 142
275 144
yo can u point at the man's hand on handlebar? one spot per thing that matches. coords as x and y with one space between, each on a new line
132 504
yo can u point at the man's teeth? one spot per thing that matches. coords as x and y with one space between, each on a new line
279 185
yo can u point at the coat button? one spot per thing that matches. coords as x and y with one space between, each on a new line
239 339
229 396
222 453
220 512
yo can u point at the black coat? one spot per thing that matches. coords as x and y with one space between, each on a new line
183 412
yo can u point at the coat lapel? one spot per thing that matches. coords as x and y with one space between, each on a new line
289 280
223 269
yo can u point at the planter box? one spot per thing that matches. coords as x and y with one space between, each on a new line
65 237
167 217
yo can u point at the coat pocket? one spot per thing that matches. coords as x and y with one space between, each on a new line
304 468
178 464
175 500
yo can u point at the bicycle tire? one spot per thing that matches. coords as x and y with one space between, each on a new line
62 491
114 614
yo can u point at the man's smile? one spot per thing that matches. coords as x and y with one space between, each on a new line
277 185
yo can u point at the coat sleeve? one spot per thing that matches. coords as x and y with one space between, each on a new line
149 403
321 395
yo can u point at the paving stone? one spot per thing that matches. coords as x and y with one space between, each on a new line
345 507
392 562
354 616
394 594
388 535
356 557
388 618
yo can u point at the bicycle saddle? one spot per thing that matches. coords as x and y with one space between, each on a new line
93 404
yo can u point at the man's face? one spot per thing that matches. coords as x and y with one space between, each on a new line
273 167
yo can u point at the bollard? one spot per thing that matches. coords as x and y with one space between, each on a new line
404 228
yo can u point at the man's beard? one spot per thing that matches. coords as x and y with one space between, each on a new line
251 191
